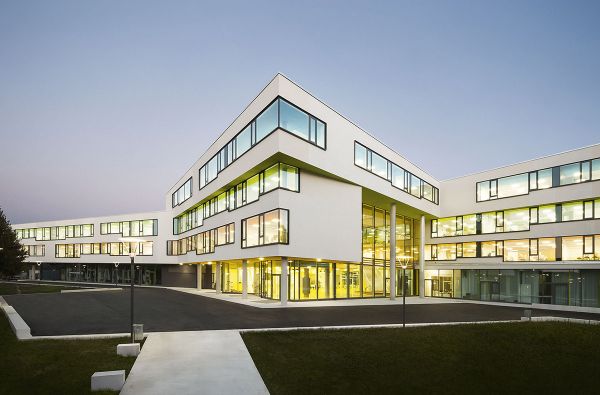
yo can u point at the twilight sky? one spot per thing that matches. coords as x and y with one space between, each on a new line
104 104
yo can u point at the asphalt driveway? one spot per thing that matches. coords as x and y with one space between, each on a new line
168 310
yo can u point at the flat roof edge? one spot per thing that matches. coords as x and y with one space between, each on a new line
523 162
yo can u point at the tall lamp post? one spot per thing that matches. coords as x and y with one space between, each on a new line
133 249
116 273
404 260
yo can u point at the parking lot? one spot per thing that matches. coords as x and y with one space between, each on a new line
169 310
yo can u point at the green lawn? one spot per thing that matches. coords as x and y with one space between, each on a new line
12 288
540 358
55 366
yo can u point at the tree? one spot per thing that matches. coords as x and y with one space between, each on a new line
12 255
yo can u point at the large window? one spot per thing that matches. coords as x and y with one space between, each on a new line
277 176
182 193
522 250
35 250
142 227
513 186
56 232
376 227
114 249
402 179
264 229
454 226
279 114
547 214
522 184
581 248
204 242
572 211
514 220
440 252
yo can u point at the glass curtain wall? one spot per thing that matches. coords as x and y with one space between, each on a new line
567 287
375 270
101 273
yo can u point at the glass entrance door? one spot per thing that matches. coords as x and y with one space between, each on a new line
269 284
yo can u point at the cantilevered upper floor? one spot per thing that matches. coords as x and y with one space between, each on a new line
286 120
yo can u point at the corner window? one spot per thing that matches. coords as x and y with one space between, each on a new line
267 121
293 120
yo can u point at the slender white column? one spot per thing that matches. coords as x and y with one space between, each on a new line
393 252
244 278
198 276
218 277
284 281
422 259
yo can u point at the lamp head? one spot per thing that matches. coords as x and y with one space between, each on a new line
133 244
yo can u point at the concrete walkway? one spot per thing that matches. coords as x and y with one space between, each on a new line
206 362
255 301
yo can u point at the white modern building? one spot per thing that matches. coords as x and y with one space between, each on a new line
295 202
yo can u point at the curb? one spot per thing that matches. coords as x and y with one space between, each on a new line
17 324
65 291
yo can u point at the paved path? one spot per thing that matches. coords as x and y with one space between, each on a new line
208 362
163 310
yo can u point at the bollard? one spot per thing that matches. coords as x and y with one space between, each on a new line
138 332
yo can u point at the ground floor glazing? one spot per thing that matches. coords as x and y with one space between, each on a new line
559 287
308 280
101 273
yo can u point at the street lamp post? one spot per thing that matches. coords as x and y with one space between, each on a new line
133 249
132 281
405 260
116 273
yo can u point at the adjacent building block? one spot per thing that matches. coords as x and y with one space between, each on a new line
128 350
112 380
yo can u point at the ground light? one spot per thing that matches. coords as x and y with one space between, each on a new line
133 249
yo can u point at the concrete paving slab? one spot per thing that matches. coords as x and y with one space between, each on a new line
207 362
255 301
